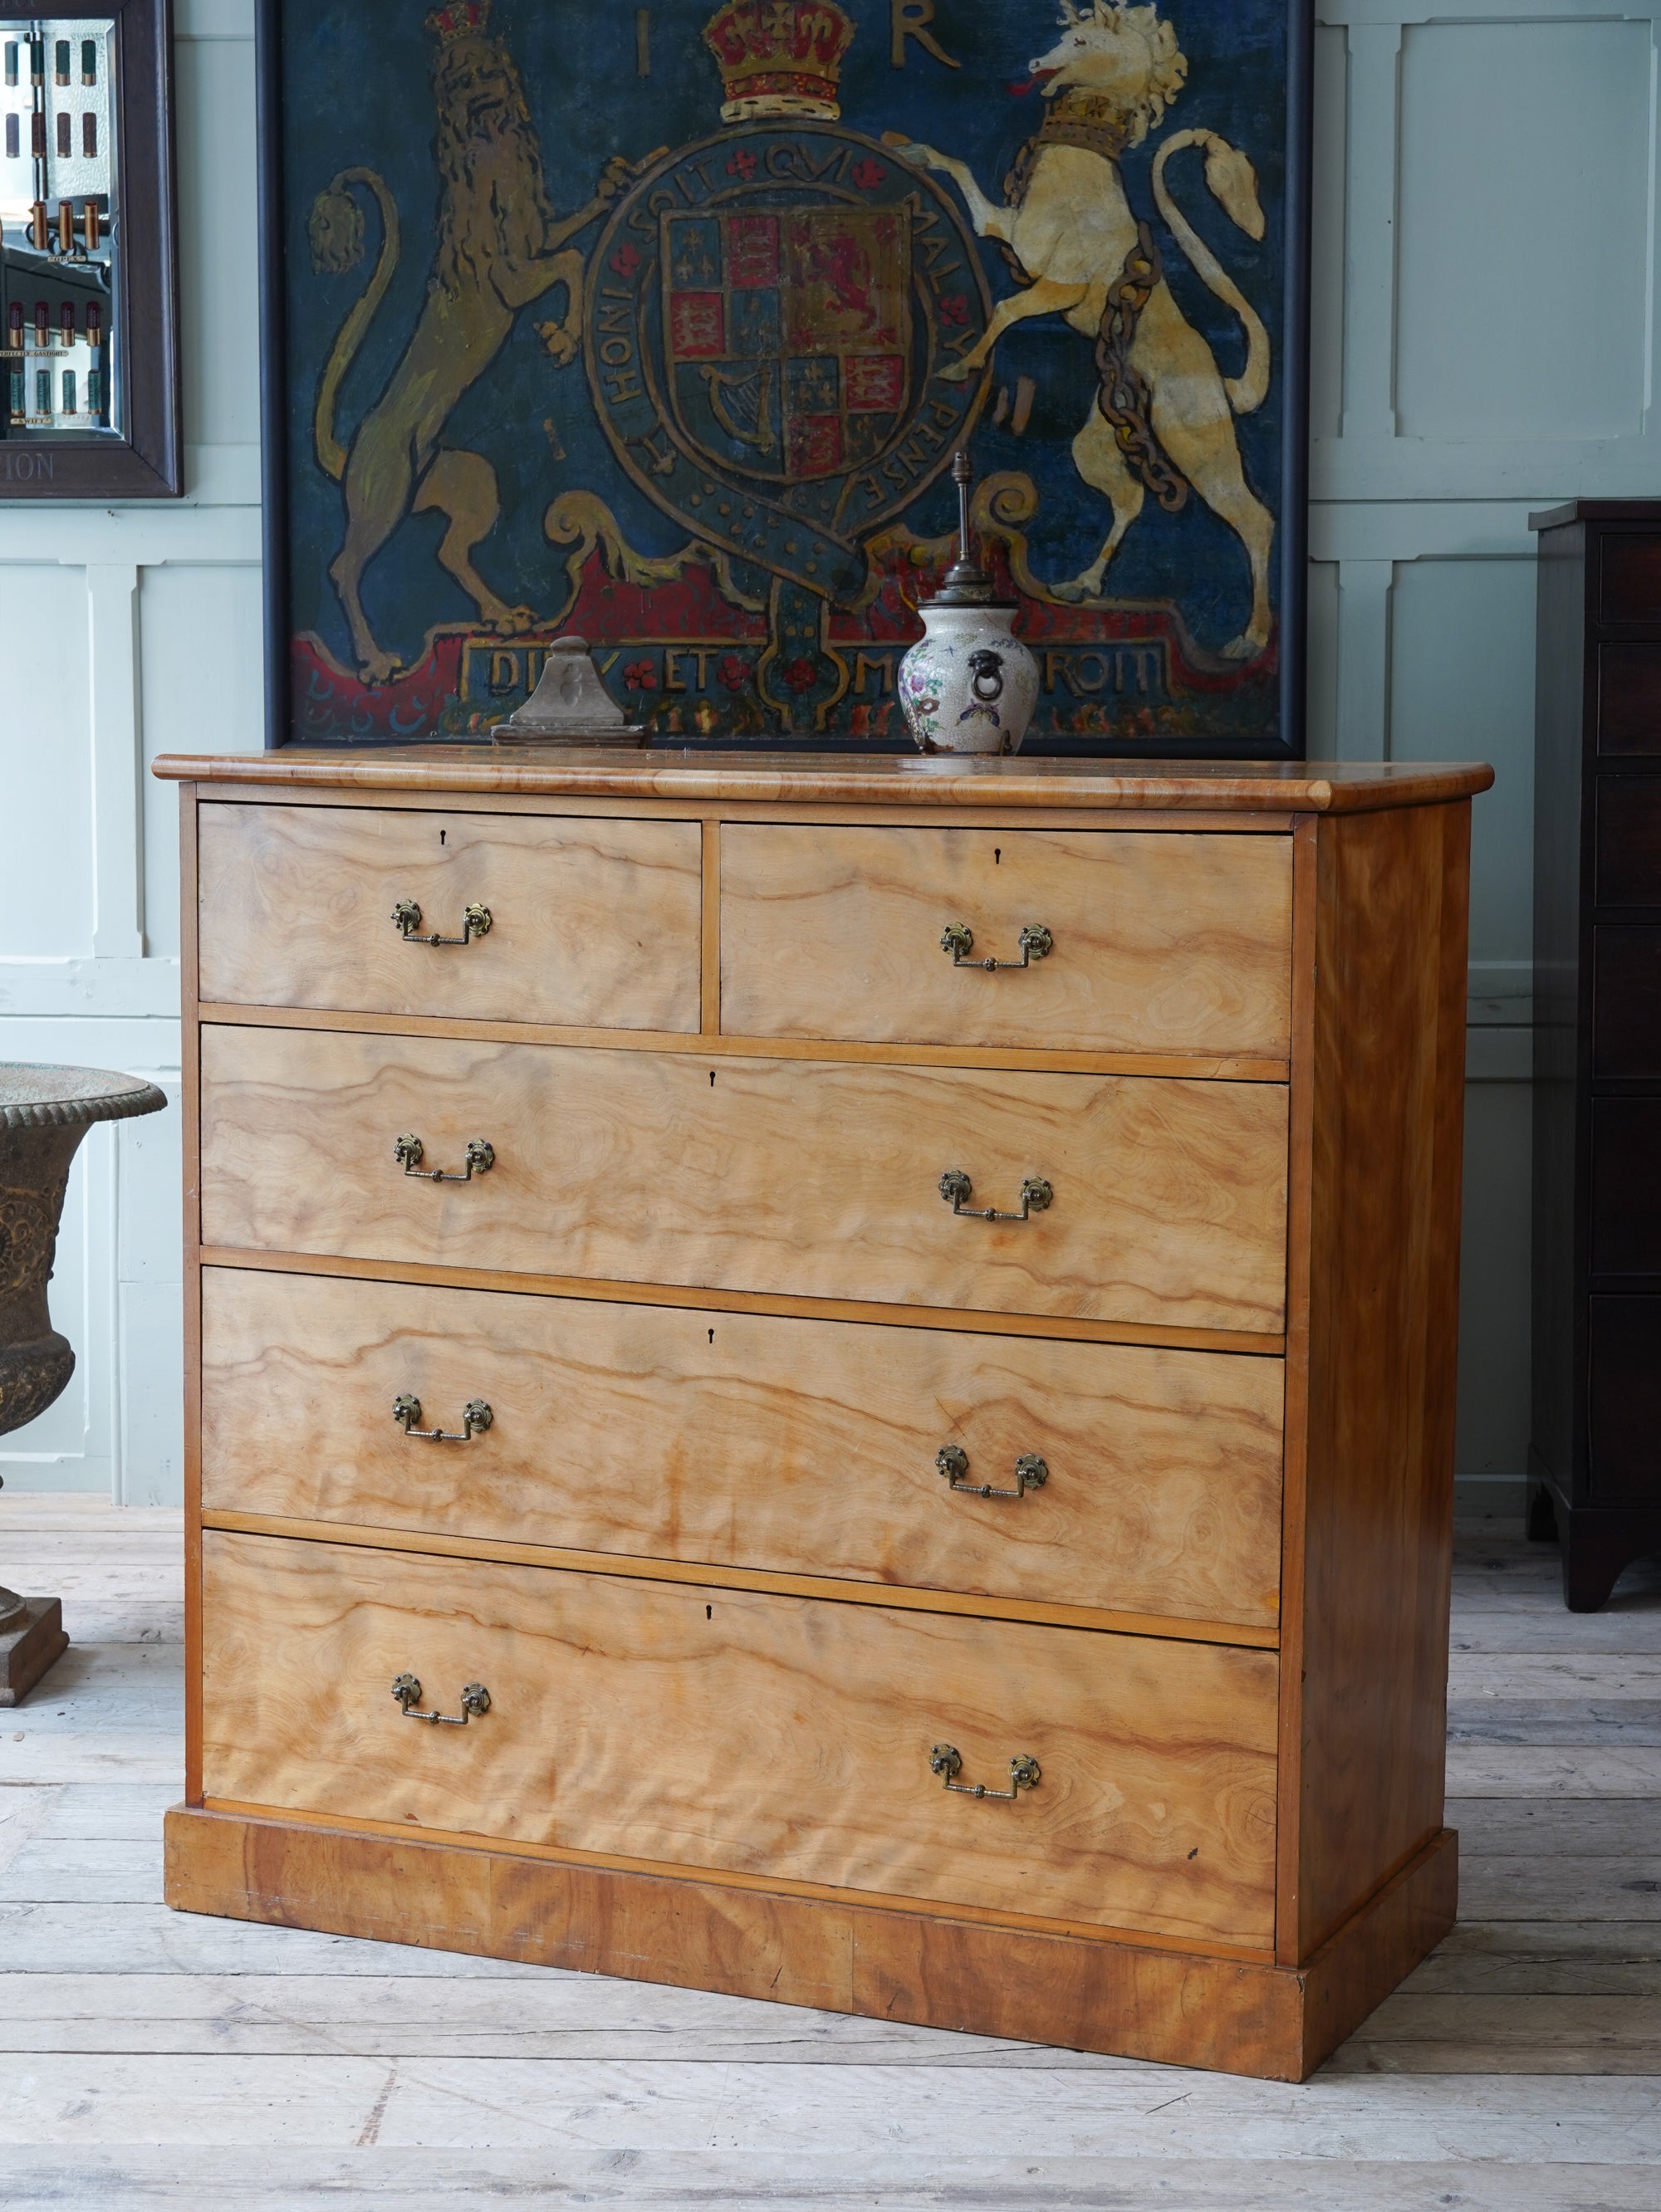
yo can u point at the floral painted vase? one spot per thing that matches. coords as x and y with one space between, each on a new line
969 685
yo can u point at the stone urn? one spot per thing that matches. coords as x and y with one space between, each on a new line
44 1112
969 685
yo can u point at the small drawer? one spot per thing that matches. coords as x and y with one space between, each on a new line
1153 1200
1626 1186
1628 841
1625 1001
583 923
1629 577
751 1732
1143 1481
1151 942
1625 1411
1629 700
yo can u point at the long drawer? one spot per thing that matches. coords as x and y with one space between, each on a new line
1167 1207
1151 942
742 1440
750 1733
587 923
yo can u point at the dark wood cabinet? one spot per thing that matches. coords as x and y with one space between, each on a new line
1595 1453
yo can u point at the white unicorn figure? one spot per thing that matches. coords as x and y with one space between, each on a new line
1164 419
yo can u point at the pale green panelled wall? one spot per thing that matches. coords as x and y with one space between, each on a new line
1484 313
1485 321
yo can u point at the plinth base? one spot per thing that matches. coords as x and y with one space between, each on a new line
835 1951
26 1652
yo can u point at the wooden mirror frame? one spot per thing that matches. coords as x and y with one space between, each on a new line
147 461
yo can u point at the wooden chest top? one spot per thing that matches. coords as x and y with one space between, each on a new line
854 779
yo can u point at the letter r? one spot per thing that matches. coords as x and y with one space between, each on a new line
910 20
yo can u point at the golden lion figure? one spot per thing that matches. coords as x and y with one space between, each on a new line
499 249
1117 69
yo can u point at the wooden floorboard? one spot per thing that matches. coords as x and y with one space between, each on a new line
383 2179
155 2060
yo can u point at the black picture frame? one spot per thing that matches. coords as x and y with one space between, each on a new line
147 460
1292 557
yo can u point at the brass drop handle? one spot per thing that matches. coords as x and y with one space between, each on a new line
956 1190
475 1700
408 1151
476 1418
958 939
475 922
1031 1474
946 1760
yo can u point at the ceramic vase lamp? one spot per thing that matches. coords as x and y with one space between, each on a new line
44 1112
969 685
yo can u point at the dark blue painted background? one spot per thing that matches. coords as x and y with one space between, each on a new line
356 89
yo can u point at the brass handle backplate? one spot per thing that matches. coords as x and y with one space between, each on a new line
408 1151
946 1760
956 1190
1031 1474
475 922
476 1418
475 1700
958 939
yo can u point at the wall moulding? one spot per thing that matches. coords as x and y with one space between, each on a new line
1342 14
1451 132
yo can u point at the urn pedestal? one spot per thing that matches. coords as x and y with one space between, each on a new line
44 1112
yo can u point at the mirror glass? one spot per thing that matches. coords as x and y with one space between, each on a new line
60 224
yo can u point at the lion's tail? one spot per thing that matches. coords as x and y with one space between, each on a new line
336 245
1233 182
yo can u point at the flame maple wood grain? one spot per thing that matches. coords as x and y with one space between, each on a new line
1388 1057
737 1440
1162 943
730 1603
595 921
816 1179
841 1955
757 778
765 1734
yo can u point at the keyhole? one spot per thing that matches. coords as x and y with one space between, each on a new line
997 854
708 1613
442 835
712 1336
712 1079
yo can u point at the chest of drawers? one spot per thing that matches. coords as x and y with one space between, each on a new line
1597 1227
734 1441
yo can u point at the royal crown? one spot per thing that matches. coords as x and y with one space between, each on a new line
462 19
779 57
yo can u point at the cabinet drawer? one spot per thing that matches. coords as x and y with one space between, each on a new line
816 1179
746 1732
742 1440
1629 578
1625 1001
1625 1406
593 923
1628 841
1160 943
1626 1186
1629 699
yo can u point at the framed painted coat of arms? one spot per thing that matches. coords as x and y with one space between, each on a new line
662 325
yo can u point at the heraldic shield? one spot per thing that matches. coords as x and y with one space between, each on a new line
788 335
